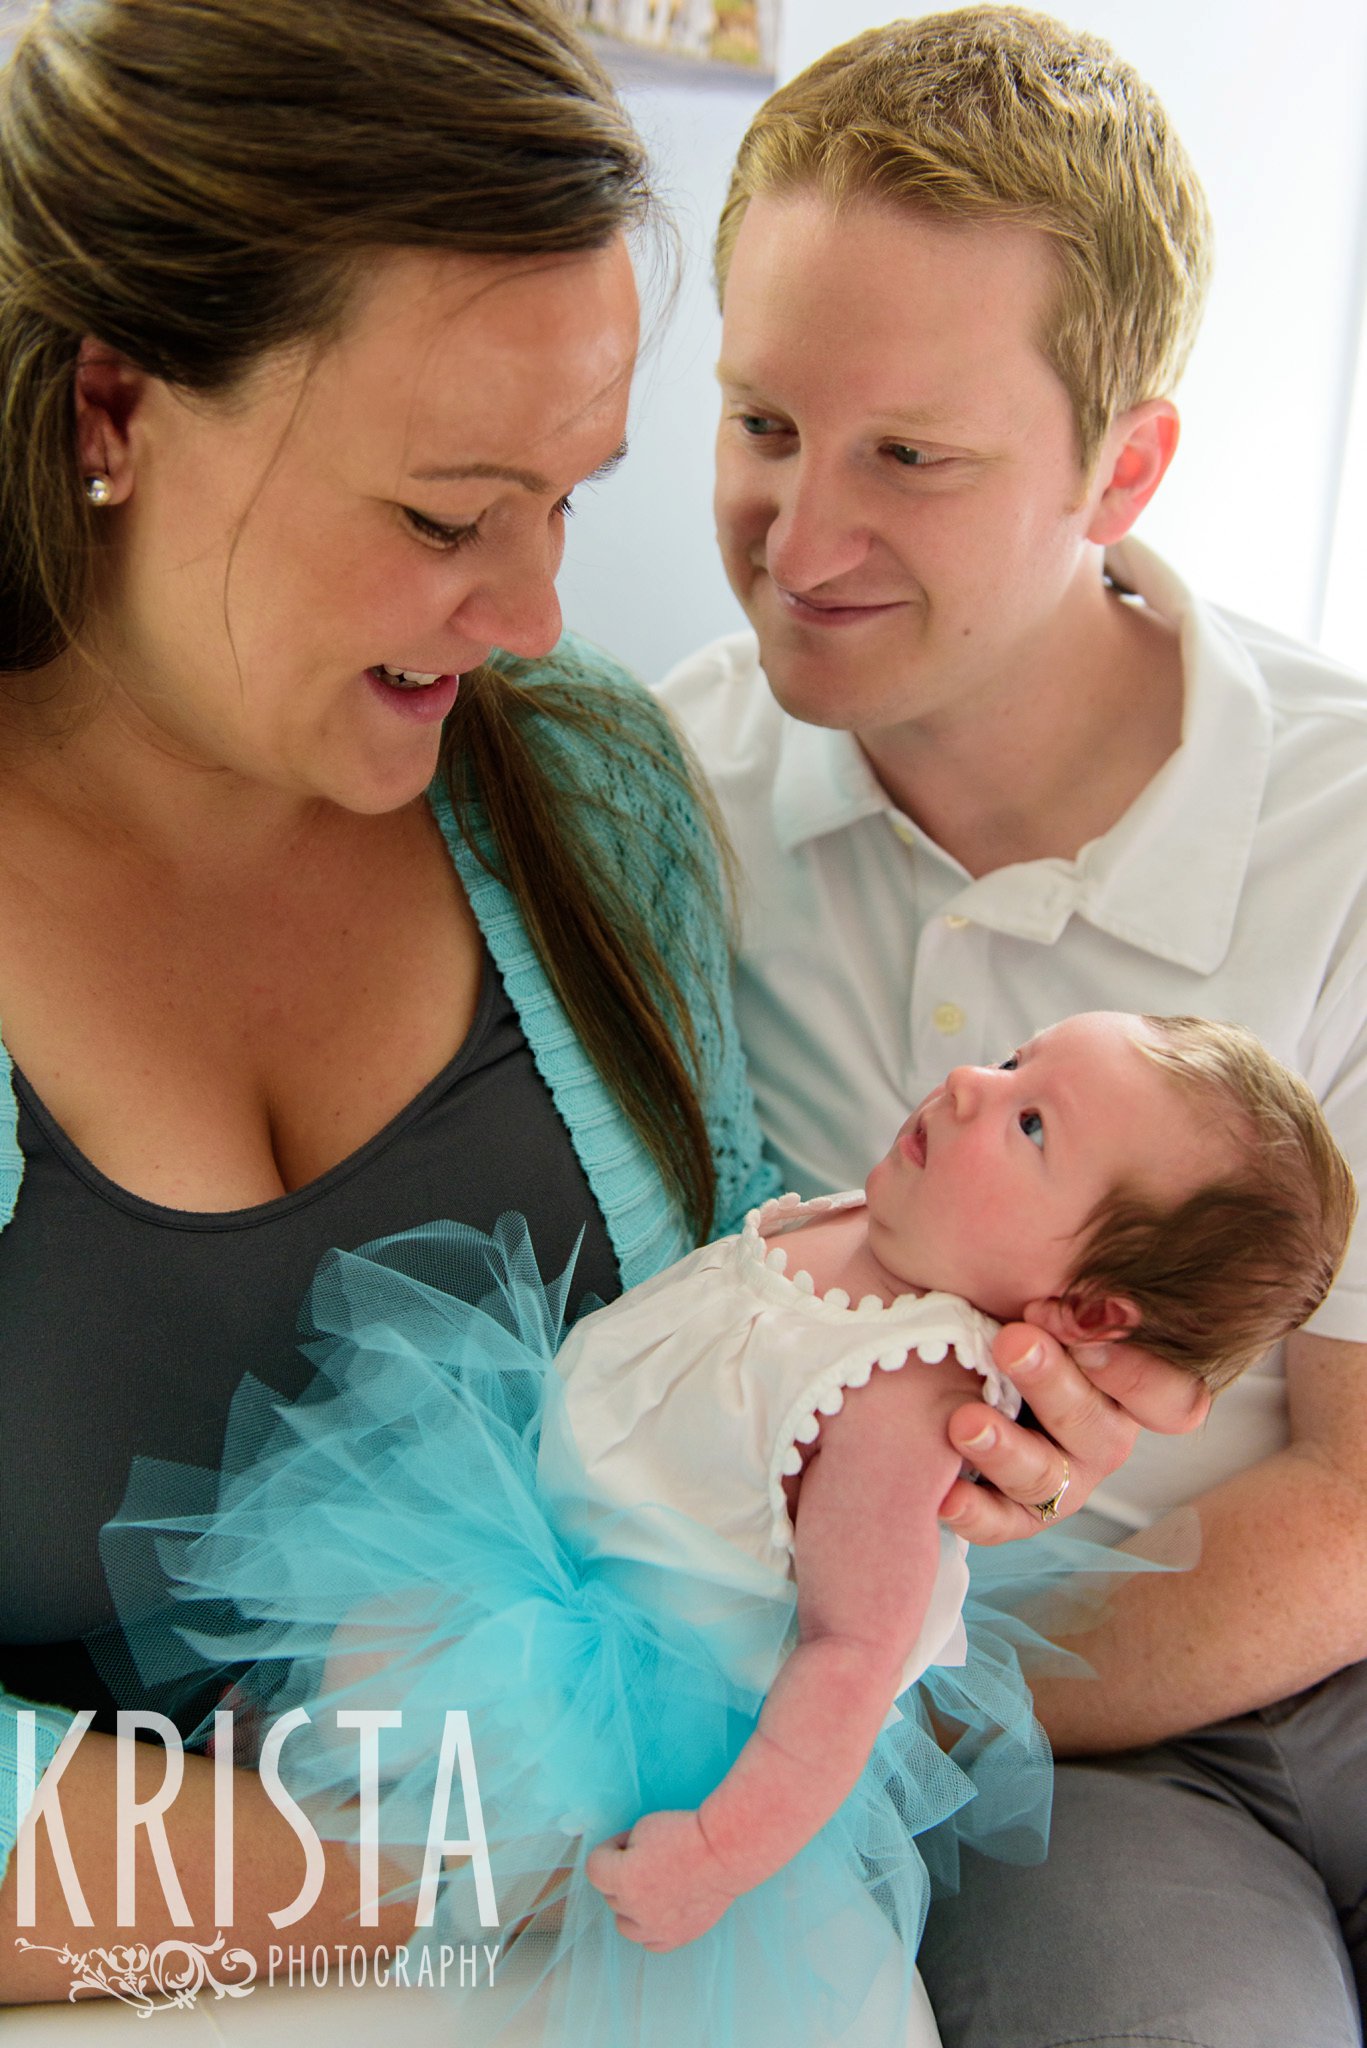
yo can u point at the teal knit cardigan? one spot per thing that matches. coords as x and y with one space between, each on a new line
649 834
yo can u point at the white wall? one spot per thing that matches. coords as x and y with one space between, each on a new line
641 574
1268 97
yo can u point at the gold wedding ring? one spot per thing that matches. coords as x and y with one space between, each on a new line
1048 1509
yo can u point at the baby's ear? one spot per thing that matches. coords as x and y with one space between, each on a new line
1083 1318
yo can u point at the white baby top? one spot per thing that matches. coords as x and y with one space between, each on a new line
686 1401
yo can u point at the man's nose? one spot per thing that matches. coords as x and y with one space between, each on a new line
814 536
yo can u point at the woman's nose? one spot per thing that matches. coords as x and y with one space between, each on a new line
517 607
529 624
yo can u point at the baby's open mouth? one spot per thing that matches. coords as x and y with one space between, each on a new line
913 1142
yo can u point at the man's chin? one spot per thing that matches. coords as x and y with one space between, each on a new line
829 693
847 683
812 686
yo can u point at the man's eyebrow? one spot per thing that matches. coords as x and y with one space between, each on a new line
918 419
499 473
914 419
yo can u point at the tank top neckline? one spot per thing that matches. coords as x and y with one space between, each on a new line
294 1199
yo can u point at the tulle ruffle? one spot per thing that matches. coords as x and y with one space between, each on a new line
382 1544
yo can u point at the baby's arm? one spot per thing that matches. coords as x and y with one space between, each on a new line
866 1554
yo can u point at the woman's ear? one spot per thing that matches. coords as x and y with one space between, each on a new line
108 392
1083 1318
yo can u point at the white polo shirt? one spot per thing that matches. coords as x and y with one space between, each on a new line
1234 887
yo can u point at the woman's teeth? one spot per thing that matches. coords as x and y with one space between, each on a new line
406 678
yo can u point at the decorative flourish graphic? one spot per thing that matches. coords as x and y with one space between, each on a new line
163 1979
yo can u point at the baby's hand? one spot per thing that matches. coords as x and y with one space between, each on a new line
662 1881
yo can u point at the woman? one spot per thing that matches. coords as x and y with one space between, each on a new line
316 922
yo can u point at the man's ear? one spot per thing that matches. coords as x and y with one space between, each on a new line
108 392
1083 1318
1134 460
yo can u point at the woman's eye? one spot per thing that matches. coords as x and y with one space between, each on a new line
758 425
1032 1123
438 536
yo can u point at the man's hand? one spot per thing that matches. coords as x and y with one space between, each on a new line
664 1884
1090 1405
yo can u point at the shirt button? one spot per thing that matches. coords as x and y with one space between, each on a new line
947 1017
955 922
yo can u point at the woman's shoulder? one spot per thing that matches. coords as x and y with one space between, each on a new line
574 658
577 674
609 741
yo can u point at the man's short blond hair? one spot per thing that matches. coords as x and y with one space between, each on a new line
997 114
1219 1277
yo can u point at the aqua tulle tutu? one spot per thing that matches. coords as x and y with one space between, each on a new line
382 1543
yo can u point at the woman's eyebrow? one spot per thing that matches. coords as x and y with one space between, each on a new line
499 473
490 472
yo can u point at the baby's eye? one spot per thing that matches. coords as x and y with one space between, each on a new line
1032 1123
1010 1066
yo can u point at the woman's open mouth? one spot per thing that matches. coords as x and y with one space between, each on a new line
412 692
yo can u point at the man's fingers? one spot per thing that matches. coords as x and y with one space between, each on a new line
1086 1426
982 1515
1024 1464
1082 1436
1158 1395
1083 1421
1087 1423
1151 1391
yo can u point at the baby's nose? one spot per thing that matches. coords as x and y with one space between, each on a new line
964 1089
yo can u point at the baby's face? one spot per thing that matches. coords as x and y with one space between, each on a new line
989 1184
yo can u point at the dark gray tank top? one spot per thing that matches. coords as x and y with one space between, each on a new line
125 1327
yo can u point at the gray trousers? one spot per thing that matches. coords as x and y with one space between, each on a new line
1209 1893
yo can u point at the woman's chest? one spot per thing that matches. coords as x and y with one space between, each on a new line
212 1049
126 1328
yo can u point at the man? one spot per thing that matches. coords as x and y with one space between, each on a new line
1006 767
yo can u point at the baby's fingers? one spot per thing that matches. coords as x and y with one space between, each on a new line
604 1865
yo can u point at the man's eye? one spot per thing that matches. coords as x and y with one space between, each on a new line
1032 1123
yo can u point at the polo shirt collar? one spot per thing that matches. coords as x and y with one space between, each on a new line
1169 874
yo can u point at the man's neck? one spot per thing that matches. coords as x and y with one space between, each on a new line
1053 758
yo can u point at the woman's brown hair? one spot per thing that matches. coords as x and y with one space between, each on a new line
198 182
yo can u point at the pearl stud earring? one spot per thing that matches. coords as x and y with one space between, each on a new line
98 490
